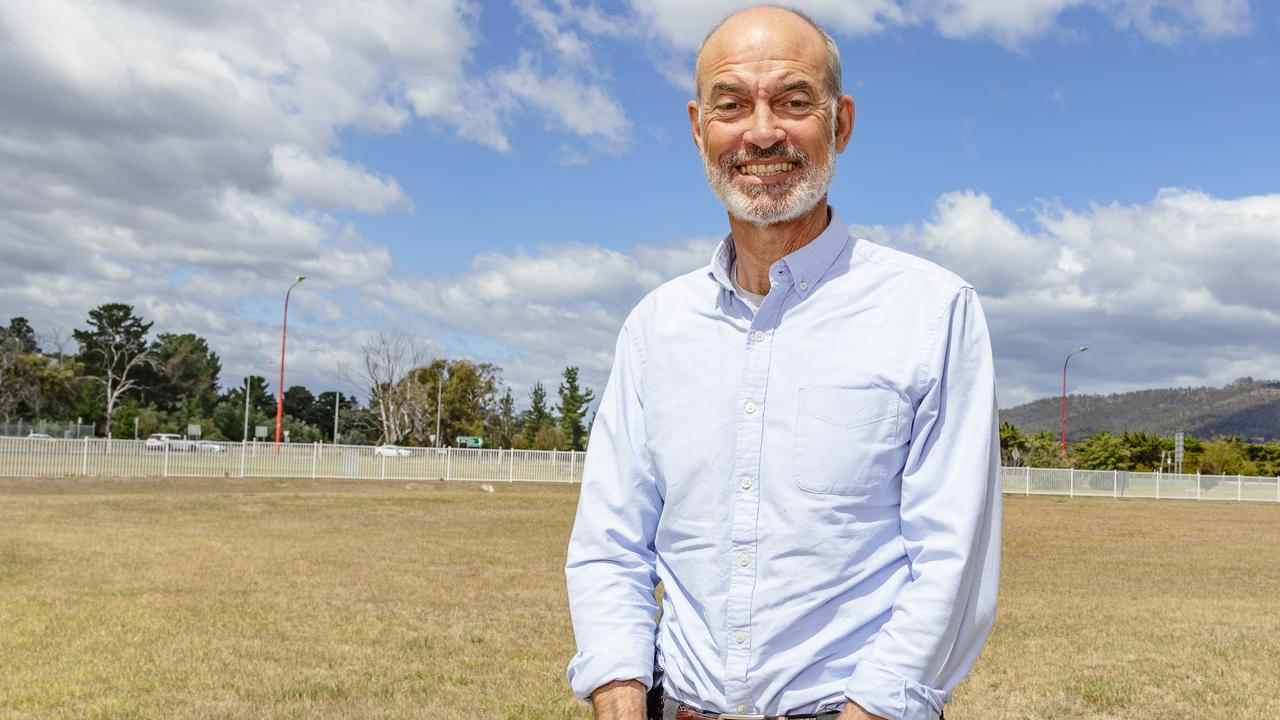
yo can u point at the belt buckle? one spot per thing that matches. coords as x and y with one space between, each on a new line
735 716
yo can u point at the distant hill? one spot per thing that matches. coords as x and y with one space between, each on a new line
1248 408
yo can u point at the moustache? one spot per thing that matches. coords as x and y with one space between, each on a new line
781 149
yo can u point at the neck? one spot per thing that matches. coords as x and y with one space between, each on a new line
759 246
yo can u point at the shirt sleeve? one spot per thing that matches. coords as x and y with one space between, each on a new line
611 562
950 519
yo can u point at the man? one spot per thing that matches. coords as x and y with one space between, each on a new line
799 441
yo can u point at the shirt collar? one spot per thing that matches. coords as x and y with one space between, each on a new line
803 269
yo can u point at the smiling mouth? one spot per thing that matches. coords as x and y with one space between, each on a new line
765 170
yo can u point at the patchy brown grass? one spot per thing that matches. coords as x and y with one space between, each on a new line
330 599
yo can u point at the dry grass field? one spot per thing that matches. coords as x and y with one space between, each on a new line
302 599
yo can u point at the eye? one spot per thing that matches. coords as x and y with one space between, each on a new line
798 104
728 106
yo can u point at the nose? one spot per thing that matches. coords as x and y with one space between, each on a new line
764 131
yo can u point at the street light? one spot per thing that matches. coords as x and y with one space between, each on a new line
284 329
1064 397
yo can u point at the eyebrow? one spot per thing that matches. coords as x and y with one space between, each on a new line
722 86
798 85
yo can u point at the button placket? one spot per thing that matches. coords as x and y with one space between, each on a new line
749 439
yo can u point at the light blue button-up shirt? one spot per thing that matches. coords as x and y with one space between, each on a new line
815 483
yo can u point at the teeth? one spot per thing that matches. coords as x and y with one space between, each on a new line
765 169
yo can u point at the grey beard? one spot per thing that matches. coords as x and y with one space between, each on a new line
766 205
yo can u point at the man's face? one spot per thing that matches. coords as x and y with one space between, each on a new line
766 128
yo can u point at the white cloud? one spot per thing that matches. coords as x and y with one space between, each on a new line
572 104
331 183
565 43
184 157
1177 290
680 25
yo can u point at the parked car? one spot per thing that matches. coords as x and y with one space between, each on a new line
391 451
206 446
175 443
38 436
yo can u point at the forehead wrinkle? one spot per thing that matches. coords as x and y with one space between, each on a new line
761 83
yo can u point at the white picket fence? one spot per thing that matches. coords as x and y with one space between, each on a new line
1125 484
40 457
33 457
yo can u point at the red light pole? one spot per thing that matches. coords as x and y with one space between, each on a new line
1064 398
283 330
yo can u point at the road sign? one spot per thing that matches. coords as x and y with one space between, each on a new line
1177 447
469 441
260 432
193 430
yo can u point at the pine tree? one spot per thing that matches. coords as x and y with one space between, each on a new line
537 416
573 406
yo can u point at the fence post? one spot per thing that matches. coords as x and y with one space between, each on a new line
1115 484
1239 487
573 465
511 467
165 471
84 458
315 452
1071 483
1028 469
1197 484
242 449
1158 485
448 462
382 474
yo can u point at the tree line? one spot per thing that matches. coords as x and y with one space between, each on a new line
1139 451
129 384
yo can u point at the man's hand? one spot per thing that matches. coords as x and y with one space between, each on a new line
854 711
620 700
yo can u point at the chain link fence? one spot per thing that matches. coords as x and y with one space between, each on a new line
23 428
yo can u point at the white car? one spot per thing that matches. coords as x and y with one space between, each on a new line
206 446
392 451
38 436
173 441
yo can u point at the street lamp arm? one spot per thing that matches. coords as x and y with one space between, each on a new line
284 331
1064 395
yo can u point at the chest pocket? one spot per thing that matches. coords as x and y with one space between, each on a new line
846 439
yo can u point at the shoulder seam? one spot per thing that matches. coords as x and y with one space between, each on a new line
939 273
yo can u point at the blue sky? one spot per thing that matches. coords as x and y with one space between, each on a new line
504 180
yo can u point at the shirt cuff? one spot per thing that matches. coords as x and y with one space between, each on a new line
630 659
882 692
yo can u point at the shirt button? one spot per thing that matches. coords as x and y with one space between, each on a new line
804 285
743 560
739 637
758 335
742 709
750 407
746 482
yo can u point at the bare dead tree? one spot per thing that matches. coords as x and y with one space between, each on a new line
385 373
57 340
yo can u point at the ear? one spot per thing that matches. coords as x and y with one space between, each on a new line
844 122
694 127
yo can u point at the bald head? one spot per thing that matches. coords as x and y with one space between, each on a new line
772 29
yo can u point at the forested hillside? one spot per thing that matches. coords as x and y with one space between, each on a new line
1246 408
